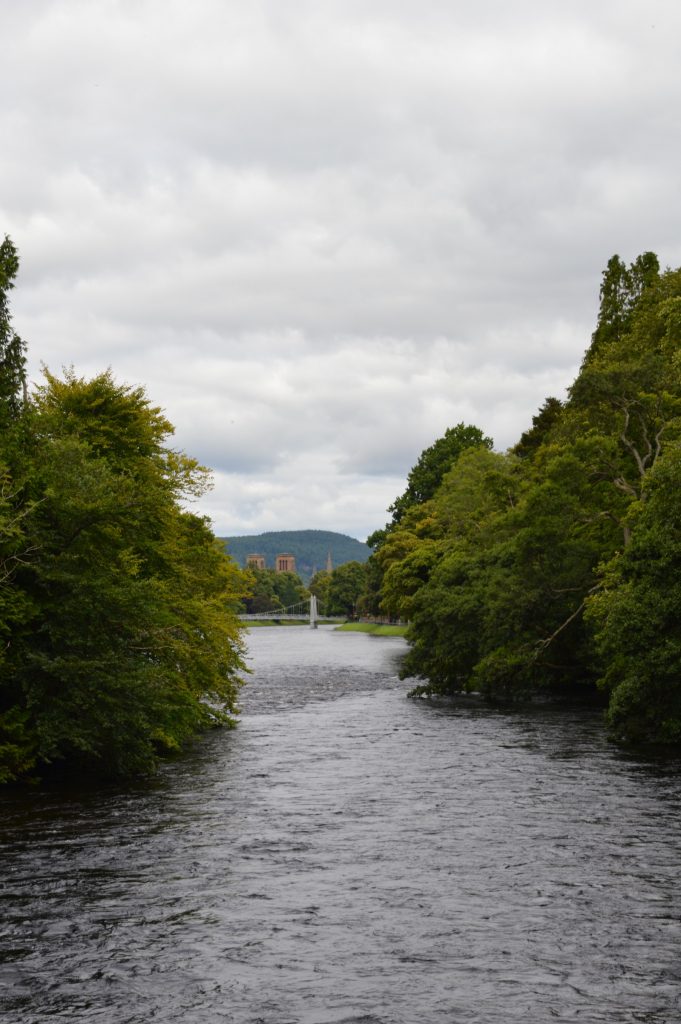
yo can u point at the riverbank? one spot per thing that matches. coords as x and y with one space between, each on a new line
372 628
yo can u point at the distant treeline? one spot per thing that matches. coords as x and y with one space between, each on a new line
555 567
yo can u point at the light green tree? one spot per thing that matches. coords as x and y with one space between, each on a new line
131 642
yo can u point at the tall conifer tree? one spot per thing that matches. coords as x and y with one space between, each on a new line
12 348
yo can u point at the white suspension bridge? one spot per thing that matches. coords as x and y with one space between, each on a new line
307 609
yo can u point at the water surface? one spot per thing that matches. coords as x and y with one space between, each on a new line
348 855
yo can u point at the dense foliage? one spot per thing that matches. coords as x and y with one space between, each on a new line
346 585
554 567
423 483
426 476
118 609
269 590
337 592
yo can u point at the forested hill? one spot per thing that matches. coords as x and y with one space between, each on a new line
310 548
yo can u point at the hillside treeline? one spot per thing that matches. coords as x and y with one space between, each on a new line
311 549
555 567
119 638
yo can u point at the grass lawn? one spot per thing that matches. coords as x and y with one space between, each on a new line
374 628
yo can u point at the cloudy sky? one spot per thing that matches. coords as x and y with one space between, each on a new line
322 231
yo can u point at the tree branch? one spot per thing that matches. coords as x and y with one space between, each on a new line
541 645
628 443
623 485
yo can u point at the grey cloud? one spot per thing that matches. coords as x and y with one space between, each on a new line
322 233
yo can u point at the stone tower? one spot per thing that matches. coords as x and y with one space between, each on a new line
285 563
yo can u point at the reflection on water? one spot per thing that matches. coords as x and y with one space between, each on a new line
348 855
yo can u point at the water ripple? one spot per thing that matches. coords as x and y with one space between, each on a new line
348 856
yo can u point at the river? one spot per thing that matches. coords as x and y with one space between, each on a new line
349 855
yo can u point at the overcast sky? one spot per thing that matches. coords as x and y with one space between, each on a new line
322 232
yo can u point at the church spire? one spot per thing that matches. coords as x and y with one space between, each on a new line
329 563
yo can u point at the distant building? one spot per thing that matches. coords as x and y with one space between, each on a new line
256 561
285 563
329 563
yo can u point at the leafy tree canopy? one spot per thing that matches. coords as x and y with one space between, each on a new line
129 642
345 588
119 636
270 591
555 567
531 440
425 477
636 615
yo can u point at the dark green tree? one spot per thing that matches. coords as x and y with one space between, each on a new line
289 589
271 591
319 586
261 595
426 476
16 746
345 588
12 348
621 290
538 434
496 570
636 616
423 483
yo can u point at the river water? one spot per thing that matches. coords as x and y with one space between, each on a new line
348 855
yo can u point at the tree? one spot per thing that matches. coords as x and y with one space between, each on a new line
636 616
271 591
260 595
425 477
449 609
16 746
346 586
621 290
422 484
479 487
627 396
131 643
289 589
12 348
538 434
561 563
319 586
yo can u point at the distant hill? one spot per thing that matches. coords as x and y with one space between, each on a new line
310 548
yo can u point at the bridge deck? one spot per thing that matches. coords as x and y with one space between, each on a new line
288 617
